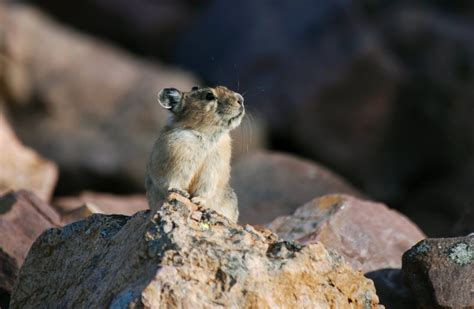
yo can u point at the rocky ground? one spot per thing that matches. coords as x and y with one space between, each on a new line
353 168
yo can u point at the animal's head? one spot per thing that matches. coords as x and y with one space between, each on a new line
208 107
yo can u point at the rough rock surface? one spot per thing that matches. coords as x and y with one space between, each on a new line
23 217
272 184
73 208
93 107
440 272
369 235
21 167
183 256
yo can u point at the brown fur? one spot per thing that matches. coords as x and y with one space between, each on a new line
192 153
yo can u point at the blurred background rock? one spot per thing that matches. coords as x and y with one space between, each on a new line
379 92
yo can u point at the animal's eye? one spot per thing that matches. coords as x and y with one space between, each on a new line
210 96
194 88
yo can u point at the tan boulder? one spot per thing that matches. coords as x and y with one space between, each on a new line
73 208
23 168
183 256
369 235
271 184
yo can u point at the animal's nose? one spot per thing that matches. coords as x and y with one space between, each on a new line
240 99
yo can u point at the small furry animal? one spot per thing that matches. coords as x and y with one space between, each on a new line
192 154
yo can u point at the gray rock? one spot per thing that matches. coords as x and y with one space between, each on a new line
440 272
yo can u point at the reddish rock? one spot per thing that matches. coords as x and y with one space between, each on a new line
440 272
272 184
8 273
87 203
23 217
369 235
22 168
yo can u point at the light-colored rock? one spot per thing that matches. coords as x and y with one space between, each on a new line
272 184
73 208
23 217
174 259
369 235
23 168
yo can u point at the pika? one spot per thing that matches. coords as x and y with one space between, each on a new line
192 153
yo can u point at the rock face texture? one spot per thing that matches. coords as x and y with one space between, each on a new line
272 184
369 235
23 217
21 167
74 208
440 272
183 256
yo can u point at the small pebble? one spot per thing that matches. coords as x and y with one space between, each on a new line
196 215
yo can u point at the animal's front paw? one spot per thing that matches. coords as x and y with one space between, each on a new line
180 192
198 200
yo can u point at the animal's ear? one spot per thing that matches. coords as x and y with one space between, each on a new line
170 98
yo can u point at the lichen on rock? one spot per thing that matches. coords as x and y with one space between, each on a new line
461 254
178 258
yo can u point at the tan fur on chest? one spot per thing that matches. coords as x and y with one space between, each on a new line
224 148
